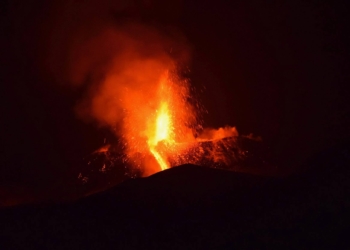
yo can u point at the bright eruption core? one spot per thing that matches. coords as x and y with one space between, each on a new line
164 122
168 127
163 132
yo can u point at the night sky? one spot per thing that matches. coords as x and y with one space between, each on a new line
276 69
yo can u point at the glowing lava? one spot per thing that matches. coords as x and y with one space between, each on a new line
160 126
163 132
139 91
172 127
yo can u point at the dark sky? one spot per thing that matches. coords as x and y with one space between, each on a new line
278 70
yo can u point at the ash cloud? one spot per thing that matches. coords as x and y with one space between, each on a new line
118 63
125 72
100 49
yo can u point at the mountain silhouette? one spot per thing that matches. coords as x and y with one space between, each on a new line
194 207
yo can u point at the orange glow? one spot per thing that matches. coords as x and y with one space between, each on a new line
163 126
130 73
151 109
163 132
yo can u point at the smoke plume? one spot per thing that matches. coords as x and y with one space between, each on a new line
119 65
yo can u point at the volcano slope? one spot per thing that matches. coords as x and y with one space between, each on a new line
192 207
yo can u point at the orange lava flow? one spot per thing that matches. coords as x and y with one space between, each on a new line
158 118
163 132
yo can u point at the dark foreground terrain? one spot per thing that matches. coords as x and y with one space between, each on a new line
192 207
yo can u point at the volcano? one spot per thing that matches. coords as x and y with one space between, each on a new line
156 81
195 207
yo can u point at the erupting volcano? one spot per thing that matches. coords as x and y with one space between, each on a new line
140 94
161 128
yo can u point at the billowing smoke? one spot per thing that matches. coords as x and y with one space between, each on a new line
112 60
216 134
128 71
123 71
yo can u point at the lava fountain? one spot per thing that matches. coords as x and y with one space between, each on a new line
140 95
163 126
163 132
166 129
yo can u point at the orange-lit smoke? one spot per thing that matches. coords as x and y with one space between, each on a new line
138 94
130 75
